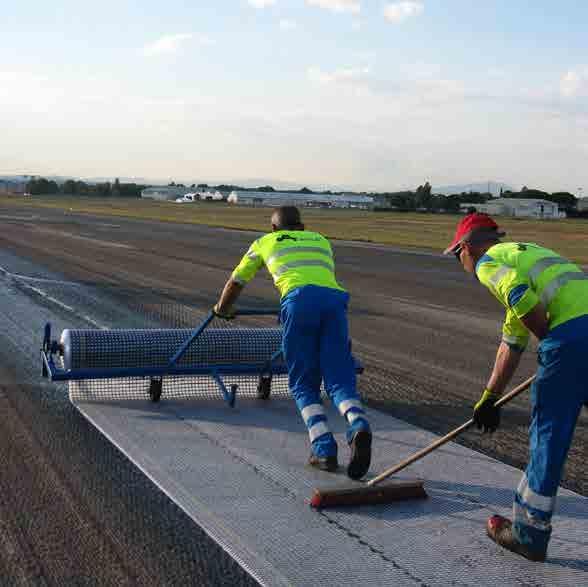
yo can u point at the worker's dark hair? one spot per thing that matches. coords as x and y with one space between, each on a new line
287 218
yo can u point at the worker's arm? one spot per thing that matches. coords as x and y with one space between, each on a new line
249 265
486 415
524 313
228 297
506 363
508 356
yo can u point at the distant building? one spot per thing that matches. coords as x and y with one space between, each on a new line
208 195
582 205
12 187
188 198
518 208
273 199
164 192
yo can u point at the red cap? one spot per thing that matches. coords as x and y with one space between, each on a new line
476 221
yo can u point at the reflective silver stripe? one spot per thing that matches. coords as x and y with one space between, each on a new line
524 516
352 416
312 410
302 263
510 339
293 250
347 404
498 274
253 256
543 264
553 286
540 502
317 430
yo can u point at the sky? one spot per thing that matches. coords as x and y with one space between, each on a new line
358 94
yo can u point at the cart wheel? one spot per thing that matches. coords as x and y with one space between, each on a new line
233 395
264 386
47 337
155 387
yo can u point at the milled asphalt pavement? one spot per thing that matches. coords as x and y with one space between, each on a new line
73 508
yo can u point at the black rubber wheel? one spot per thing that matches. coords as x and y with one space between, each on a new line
155 388
264 386
233 395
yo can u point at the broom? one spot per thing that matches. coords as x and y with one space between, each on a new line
374 492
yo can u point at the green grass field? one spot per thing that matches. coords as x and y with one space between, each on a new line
421 231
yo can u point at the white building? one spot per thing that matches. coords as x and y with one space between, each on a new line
518 208
12 187
188 198
214 196
274 199
164 192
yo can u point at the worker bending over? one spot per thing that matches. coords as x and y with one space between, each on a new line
315 333
546 295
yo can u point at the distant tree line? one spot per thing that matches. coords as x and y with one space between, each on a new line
420 199
263 188
39 186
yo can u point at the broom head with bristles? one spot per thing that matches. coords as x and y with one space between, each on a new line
367 495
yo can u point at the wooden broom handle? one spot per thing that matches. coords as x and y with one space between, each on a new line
441 441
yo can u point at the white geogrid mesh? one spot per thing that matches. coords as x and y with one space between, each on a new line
143 348
173 387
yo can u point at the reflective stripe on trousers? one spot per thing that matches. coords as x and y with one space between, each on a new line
315 418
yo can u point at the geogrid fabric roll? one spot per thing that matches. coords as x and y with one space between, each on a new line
104 349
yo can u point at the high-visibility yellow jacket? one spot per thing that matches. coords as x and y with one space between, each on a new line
522 274
294 258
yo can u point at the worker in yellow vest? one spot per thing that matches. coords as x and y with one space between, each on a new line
546 295
315 333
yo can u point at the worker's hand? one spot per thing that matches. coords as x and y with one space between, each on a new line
224 313
486 416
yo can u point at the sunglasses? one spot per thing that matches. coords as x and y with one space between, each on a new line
457 253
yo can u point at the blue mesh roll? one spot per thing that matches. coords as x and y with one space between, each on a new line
88 349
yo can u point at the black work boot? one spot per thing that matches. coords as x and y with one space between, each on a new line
361 454
329 463
500 530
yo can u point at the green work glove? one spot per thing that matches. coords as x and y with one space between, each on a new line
486 415
226 314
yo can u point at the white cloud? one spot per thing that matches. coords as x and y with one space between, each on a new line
262 3
343 75
400 11
574 83
352 6
418 84
287 25
204 40
166 44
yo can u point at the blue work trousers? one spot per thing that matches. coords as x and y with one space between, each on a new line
558 393
317 348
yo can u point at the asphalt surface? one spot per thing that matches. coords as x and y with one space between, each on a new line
70 503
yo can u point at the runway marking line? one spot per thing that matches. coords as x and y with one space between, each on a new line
21 280
87 239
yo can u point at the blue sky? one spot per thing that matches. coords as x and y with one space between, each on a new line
365 94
